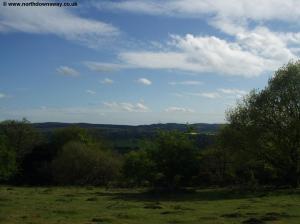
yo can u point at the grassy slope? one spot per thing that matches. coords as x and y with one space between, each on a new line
97 205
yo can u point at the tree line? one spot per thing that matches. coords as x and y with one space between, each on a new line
259 146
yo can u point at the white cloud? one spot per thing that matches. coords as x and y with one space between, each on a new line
221 93
188 83
233 91
210 95
250 55
144 81
103 67
128 107
148 7
56 21
255 10
91 92
65 70
178 110
152 60
200 54
107 81
2 95
177 94
141 107
250 51
267 44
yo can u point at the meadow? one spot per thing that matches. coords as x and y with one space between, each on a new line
92 205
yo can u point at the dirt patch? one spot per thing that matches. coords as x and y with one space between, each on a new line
232 215
274 216
253 221
174 221
65 212
123 216
244 207
179 207
69 195
153 206
64 200
171 212
92 199
101 220
270 216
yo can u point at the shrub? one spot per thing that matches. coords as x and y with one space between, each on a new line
79 164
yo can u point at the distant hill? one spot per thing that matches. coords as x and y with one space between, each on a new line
200 127
125 138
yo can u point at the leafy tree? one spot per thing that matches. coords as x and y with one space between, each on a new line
169 162
73 133
60 137
80 164
175 159
21 137
138 168
36 166
215 167
7 160
264 130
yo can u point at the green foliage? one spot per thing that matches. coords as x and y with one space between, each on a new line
138 168
7 160
21 136
168 162
263 137
175 159
64 135
80 164
18 140
215 167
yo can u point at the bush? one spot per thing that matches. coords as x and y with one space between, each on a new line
73 133
138 168
7 160
79 164
170 162
20 136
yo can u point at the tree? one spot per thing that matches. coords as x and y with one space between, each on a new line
60 137
21 137
73 133
7 160
169 162
138 168
215 167
265 128
80 164
36 166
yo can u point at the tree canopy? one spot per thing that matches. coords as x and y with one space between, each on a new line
264 128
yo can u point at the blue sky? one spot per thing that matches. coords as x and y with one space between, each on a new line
140 62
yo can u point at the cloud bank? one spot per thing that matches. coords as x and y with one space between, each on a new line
248 48
67 71
56 21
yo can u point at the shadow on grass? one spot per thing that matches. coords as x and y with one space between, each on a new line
194 195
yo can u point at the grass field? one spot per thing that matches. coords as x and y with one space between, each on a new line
99 206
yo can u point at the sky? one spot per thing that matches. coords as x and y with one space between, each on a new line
140 61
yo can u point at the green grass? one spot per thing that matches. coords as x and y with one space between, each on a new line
99 206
